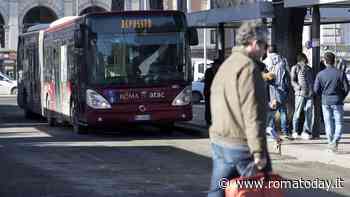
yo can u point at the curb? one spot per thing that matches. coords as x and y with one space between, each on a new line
314 153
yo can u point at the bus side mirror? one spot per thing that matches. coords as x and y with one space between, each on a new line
192 35
78 37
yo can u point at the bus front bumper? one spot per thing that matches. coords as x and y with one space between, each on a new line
113 117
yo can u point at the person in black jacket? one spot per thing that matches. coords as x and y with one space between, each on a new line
333 86
208 79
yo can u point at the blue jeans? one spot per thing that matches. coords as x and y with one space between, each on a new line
307 105
283 117
271 126
230 163
333 122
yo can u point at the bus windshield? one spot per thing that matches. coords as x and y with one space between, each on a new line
137 59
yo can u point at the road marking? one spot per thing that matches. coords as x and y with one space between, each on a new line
22 132
18 124
24 135
7 96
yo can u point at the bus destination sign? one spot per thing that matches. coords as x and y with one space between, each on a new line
136 23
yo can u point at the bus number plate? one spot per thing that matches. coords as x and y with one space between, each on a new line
143 117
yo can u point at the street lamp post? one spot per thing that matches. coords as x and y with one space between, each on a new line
315 32
205 39
77 7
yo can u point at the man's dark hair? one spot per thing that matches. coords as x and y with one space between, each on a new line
329 58
273 48
302 57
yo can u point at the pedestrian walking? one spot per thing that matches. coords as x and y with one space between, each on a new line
332 85
238 105
278 91
208 79
302 81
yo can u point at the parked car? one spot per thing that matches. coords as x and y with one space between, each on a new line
198 68
197 91
7 85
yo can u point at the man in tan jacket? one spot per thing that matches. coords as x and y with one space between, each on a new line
239 111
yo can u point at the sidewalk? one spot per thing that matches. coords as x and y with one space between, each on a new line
303 150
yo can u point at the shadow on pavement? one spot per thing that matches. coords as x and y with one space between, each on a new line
44 161
133 171
20 179
12 119
156 171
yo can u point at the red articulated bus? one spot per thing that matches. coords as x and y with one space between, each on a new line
102 69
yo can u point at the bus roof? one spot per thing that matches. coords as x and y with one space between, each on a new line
66 21
135 13
38 27
61 23
63 20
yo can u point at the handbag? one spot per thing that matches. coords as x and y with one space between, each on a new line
260 185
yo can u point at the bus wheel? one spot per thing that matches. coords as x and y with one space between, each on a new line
49 114
27 113
14 91
77 128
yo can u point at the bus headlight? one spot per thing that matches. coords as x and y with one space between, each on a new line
96 101
184 97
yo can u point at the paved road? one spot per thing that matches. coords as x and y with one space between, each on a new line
39 161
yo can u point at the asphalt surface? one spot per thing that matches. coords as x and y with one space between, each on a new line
41 161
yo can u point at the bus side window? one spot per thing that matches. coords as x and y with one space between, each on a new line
70 66
46 63
54 63
50 67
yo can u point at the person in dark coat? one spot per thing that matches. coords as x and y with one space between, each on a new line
208 79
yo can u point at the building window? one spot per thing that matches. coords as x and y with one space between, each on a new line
204 4
213 36
132 5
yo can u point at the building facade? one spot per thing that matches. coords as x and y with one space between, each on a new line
17 15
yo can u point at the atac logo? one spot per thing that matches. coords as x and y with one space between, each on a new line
156 95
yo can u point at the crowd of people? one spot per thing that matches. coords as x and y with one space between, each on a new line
243 94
